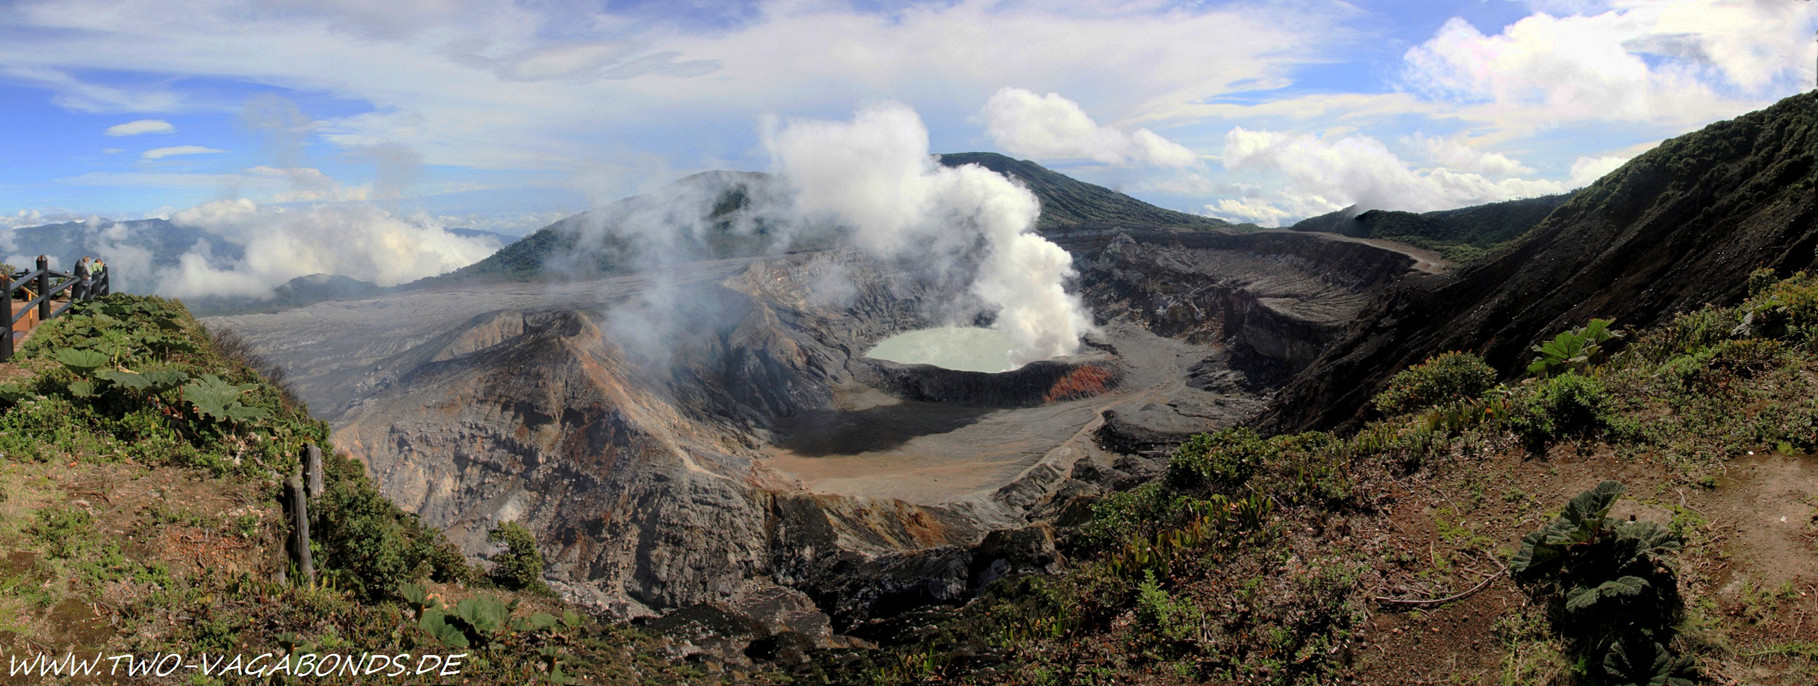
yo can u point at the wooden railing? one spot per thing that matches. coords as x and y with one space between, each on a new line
43 285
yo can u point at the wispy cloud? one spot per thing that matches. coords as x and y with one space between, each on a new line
140 126
176 150
1135 94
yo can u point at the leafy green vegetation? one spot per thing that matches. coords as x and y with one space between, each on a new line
1573 350
1609 588
520 566
1567 406
1443 378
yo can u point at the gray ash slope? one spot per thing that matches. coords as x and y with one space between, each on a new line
670 476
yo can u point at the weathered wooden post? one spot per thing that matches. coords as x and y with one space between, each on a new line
312 466
44 286
299 518
6 336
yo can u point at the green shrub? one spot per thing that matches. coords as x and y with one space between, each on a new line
1136 512
1441 378
370 546
1573 350
1788 309
1568 405
1165 617
520 566
1226 457
1608 588
1687 333
1760 280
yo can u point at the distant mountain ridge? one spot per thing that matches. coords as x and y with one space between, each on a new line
298 292
1066 200
66 242
1679 226
1462 234
720 197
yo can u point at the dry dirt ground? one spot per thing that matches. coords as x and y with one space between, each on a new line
1750 557
166 517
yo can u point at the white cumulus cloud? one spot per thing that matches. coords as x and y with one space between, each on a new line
1049 126
1457 155
1357 170
1677 63
1587 170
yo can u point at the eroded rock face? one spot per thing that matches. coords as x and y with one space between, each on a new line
1278 297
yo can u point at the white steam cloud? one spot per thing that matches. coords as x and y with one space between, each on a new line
358 241
875 175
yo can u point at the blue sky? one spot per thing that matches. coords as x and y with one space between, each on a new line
506 115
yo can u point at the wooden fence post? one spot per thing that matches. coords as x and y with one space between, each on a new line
6 337
299 517
44 307
312 465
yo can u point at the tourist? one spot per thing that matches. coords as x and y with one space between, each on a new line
82 279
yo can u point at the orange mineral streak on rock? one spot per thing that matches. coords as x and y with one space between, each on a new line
1084 381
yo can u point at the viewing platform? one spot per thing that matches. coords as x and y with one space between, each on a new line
38 295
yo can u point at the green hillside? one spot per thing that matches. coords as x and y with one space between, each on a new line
141 462
1462 234
1681 225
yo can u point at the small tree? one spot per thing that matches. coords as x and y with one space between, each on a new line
520 566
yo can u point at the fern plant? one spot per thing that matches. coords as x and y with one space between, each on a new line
1608 586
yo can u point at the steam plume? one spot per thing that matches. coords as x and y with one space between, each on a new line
875 175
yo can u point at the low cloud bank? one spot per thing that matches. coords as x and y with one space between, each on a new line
280 244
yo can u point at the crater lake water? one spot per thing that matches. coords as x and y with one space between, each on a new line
965 348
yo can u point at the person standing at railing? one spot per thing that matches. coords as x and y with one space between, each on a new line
82 279
99 278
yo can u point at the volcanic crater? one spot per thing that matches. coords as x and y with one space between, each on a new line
734 440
